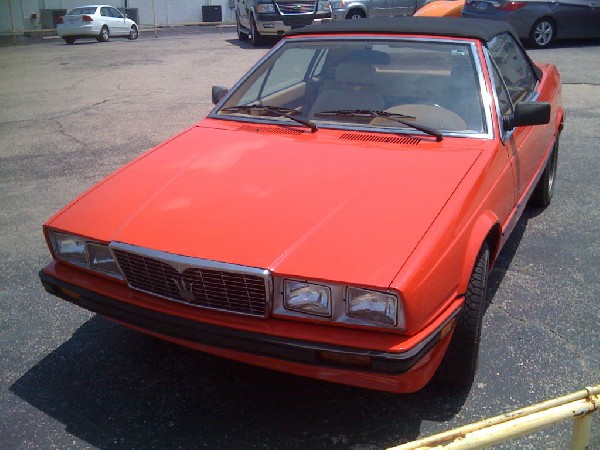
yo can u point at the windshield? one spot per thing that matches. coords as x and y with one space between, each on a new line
431 84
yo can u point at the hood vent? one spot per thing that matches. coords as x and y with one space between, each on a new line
382 139
270 130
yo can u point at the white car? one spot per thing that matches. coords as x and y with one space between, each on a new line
95 21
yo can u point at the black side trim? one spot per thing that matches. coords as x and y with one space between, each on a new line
292 350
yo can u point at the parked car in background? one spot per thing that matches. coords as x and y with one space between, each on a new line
541 22
361 9
95 21
257 19
442 8
338 212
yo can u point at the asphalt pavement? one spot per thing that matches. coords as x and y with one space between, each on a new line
72 114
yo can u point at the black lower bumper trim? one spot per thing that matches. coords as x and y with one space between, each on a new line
292 350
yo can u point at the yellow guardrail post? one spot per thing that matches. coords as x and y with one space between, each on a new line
578 406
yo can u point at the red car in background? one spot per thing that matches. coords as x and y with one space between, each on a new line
338 212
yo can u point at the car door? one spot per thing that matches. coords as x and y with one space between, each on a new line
401 7
528 145
120 25
575 17
378 8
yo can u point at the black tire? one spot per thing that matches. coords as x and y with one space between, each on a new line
69 40
356 14
242 35
133 33
544 190
459 366
542 32
104 35
255 36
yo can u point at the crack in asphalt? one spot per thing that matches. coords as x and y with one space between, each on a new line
62 131
580 357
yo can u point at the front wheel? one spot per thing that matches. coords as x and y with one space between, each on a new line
356 14
104 35
542 33
544 190
133 33
459 366
242 35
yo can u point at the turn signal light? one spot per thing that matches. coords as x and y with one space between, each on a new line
345 359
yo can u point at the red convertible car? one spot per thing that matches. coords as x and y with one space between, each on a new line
337 213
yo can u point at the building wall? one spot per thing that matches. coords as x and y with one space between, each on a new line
26 14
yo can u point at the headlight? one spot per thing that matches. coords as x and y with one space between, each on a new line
307 298
373 306
323 6
100 258
338 4
265 8
69 247
84 253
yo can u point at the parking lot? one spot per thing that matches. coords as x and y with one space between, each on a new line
73 114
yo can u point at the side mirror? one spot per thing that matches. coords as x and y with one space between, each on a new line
218 92
527 113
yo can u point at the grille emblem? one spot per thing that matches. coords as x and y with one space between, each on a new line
186 290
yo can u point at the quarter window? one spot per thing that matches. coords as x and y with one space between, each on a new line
514 67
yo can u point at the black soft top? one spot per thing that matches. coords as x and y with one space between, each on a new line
481 29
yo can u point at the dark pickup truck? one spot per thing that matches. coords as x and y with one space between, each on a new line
259 18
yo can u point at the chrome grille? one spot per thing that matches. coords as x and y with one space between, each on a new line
297 7
193 281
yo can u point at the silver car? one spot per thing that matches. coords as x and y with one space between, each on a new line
541 22
360 9
95 21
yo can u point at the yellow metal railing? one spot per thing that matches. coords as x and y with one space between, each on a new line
578 406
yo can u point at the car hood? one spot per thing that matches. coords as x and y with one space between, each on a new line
325 205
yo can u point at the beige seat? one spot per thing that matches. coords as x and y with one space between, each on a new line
353 90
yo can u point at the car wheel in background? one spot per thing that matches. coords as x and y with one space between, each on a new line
542 32
255 37
133 33
544 190
459 365
241 35
356 14
104 35
69 40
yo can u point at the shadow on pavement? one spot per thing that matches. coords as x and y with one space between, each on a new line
115 388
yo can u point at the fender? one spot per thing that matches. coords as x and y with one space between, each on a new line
486 226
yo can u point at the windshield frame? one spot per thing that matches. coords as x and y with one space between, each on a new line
486 97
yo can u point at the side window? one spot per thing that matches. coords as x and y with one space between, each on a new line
104 12
115 13
514 67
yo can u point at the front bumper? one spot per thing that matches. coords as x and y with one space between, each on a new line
403 371
276 25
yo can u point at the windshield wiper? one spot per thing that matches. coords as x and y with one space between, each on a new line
396 117
274 111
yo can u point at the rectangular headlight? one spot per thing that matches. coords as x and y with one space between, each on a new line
100 258
265 8
84 253
307 298
373 306
69 247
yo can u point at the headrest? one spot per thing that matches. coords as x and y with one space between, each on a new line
349 72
